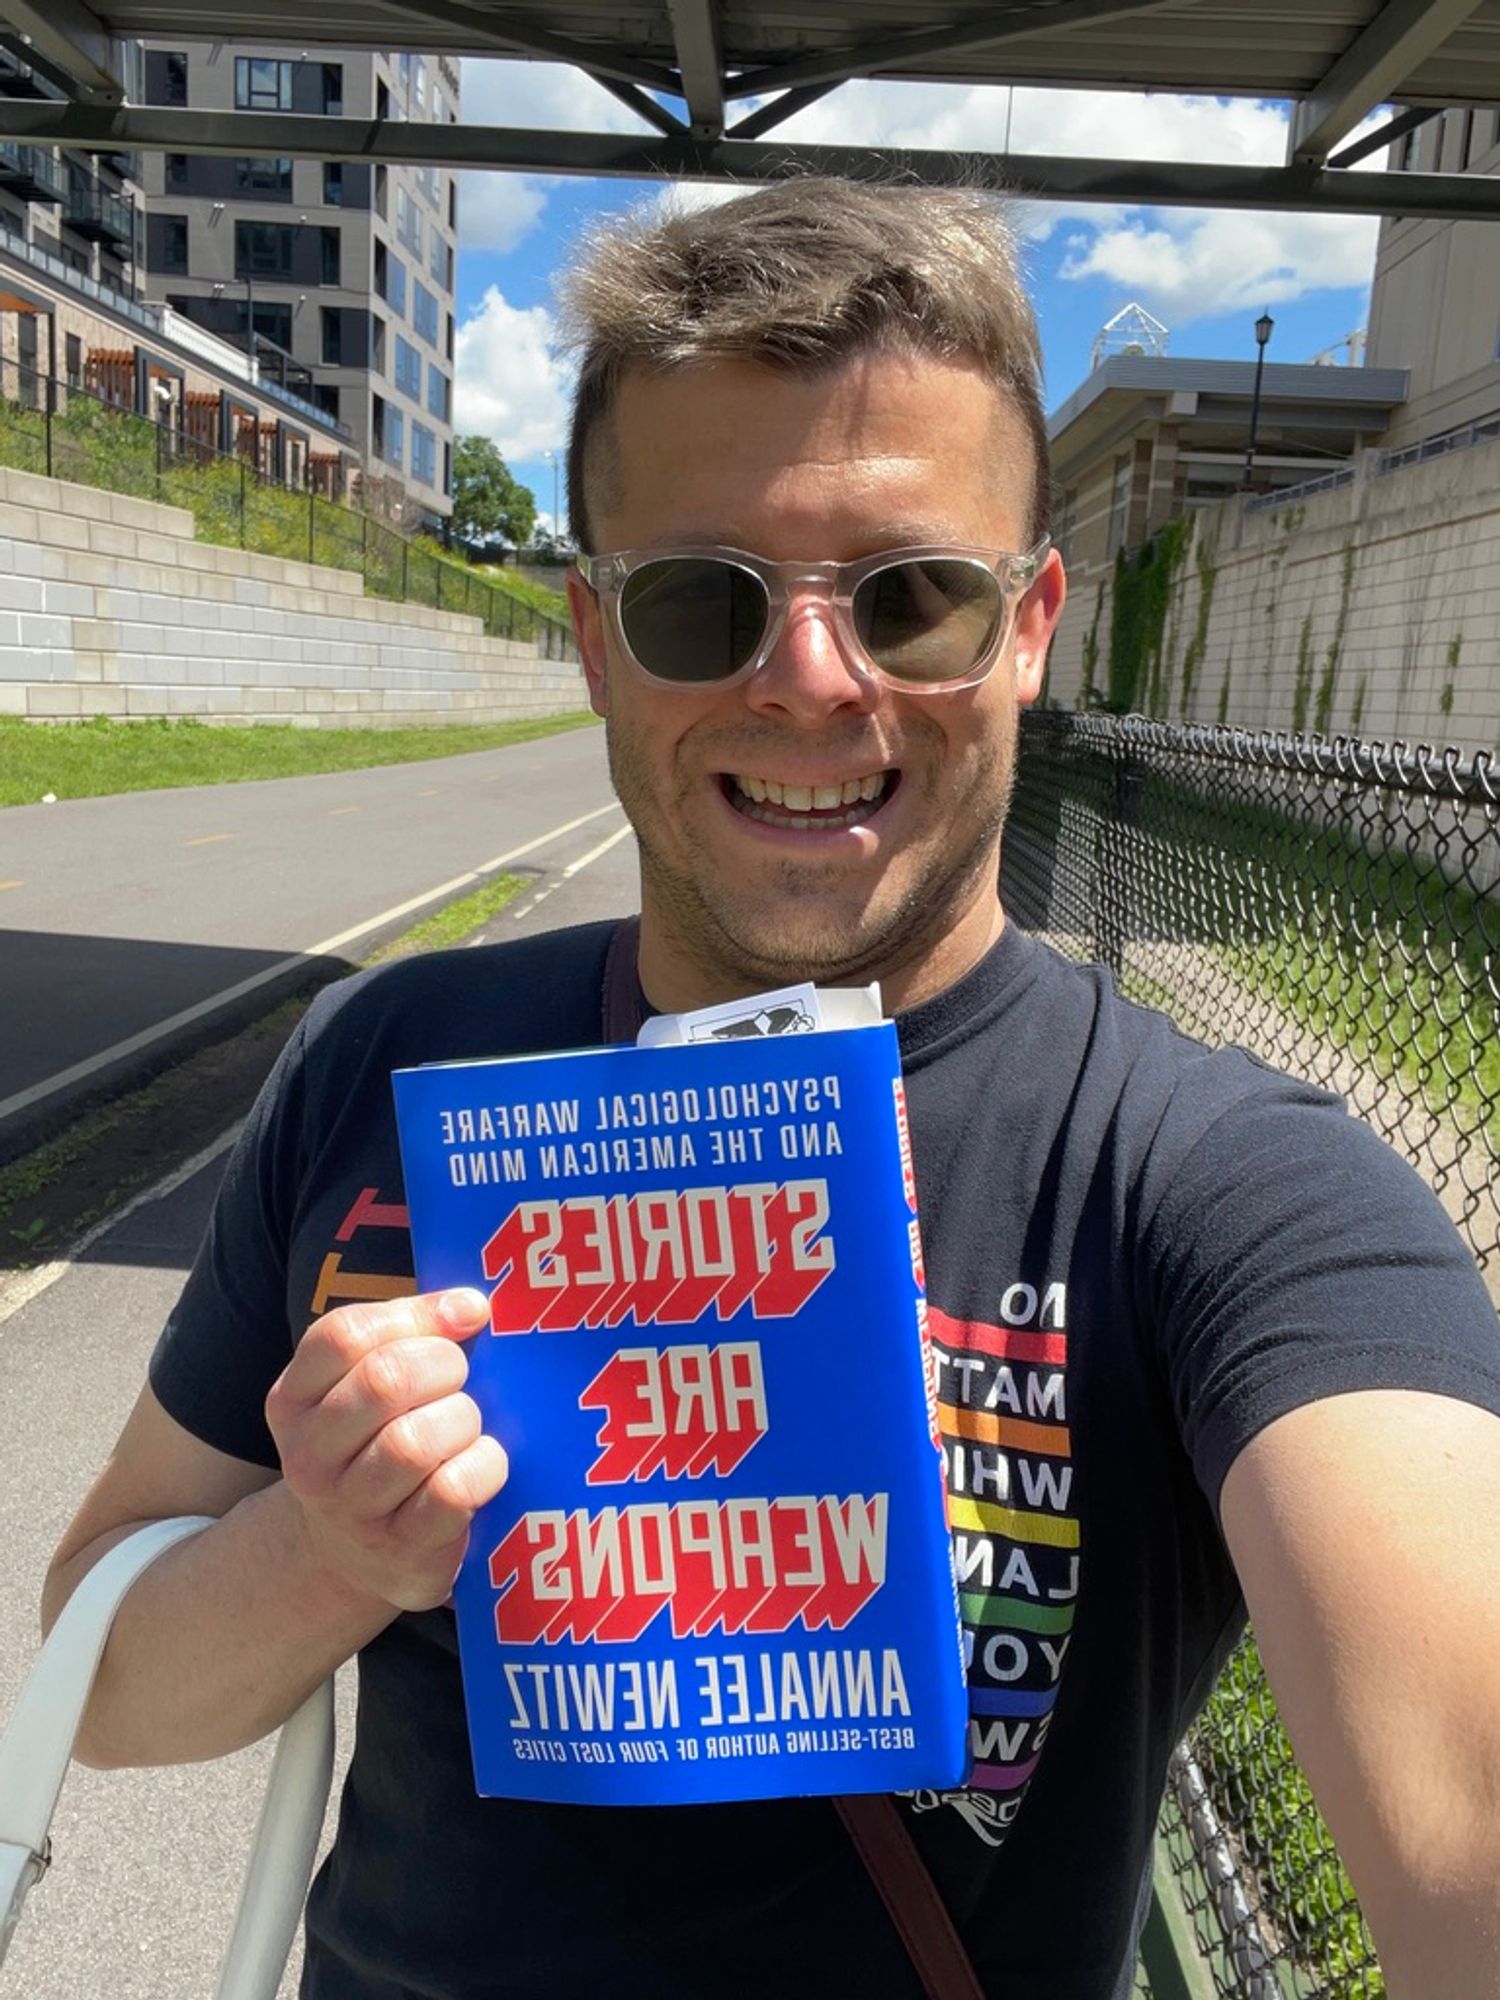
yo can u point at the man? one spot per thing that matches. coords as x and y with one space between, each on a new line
808 465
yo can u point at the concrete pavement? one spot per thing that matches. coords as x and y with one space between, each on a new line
131 925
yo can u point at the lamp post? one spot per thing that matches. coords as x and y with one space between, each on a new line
552 459
1263 329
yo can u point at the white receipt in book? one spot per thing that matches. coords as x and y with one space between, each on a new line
790 1010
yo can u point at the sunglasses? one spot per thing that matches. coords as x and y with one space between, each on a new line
927 619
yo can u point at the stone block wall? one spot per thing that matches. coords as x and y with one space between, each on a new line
108 606
1372 609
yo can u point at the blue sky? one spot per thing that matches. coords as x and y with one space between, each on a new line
1206 274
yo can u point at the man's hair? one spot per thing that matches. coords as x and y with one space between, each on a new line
799 277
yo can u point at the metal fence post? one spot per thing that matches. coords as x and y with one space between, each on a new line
242 503
49 413
405 570
312 525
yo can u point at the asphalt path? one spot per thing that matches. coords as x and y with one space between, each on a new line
139 1899
133 923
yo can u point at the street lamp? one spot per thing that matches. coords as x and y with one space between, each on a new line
1263 329
552 459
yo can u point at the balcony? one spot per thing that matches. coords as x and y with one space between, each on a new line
19 79
34 173
102 218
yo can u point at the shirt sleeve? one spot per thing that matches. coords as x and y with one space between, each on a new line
228 1337
1290 1254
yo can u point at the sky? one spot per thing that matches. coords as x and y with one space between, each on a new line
1206 274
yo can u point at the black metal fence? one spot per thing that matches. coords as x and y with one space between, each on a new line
244 499
1334 907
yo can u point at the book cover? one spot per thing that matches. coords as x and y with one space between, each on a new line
720 1568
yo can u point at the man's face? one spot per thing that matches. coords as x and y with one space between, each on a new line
887 452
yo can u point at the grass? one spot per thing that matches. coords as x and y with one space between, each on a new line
77 760
455 921
526 590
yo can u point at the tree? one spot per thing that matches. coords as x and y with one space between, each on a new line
489 503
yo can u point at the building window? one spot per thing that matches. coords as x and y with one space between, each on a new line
176 172
394 426
73 359
426 179
419 85
333 336
333 183
437 393
263 249
408 223
273 321
424 312
423 455
326 396
450 336
440 262
173 248
1119 509
453 204
262 84
166 77
408 370
263 176
395 287
1465 138
329 255
333 90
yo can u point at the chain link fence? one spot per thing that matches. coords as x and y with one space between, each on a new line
1334 907
239 500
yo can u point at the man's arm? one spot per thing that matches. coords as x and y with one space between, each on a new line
1366 1533
226 1634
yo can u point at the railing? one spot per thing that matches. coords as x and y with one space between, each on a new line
70 433
1334 907
1486 431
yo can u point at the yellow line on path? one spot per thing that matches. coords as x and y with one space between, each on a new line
336 810
12 885
207 839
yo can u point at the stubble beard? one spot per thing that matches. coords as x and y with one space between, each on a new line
726 933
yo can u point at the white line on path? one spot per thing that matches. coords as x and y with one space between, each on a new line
573 867
28 1285
23 1099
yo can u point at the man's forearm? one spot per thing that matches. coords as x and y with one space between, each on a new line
220 1640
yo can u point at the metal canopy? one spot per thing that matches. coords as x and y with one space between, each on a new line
1336 59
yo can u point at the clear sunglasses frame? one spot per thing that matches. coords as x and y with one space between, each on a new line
607 575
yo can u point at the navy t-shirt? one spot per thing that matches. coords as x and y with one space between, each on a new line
1139 1252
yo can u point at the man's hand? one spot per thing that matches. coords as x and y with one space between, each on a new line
381 1446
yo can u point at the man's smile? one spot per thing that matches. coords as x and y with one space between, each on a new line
803 806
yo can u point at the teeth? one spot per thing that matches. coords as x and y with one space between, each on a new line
812 798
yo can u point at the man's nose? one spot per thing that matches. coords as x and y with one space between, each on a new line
811 673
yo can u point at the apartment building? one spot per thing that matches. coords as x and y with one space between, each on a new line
338 277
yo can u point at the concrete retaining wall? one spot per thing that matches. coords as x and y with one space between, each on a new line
1374 609
108 606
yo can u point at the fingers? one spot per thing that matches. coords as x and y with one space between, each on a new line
337 1343
381 1445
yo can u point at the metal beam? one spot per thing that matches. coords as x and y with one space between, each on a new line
1369 72
74 40
627 156
903 52
496 34
700 59
1385 135
643 105
779 110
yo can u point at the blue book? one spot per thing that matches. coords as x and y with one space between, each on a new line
720 1568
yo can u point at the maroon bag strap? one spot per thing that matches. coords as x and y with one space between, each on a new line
884 1844
873 1822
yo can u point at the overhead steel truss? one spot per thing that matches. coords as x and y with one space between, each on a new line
707 76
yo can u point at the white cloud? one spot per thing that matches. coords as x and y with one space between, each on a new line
497 210
1195 265
510 385
1181 264
544 96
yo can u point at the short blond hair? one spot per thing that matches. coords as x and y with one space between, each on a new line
800 277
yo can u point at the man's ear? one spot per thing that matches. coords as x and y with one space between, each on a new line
588 629
1036 621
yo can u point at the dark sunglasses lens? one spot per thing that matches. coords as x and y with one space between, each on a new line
929 620
692 619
